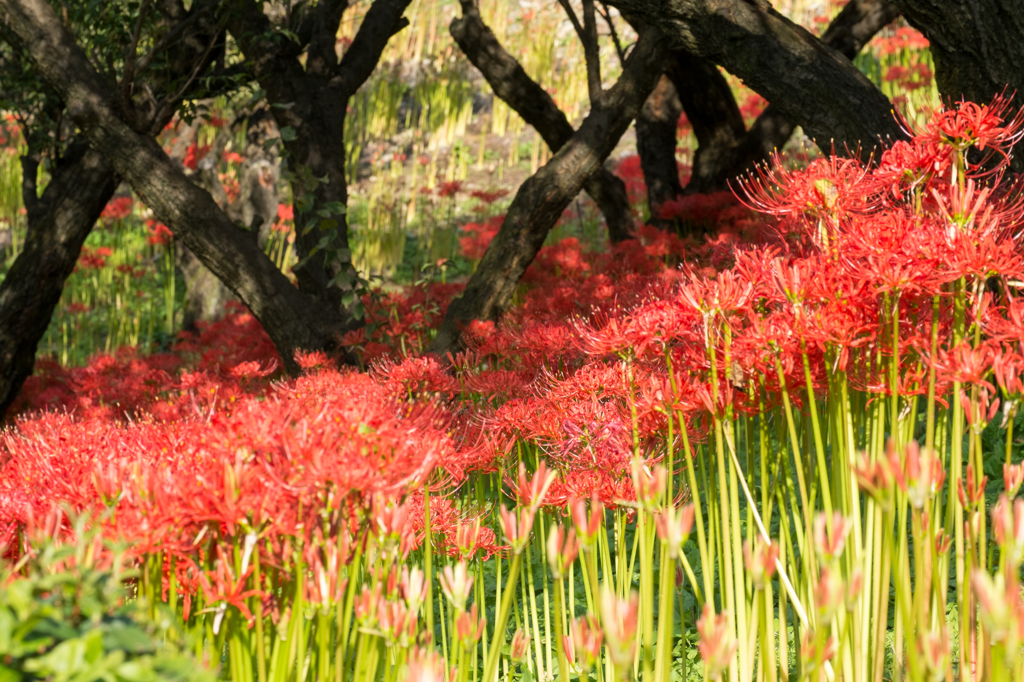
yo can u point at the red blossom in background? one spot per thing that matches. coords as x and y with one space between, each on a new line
117 209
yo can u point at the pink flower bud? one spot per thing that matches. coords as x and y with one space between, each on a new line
717 642
520 645
759 558
456 584
673 526
562 551
829 544
620 622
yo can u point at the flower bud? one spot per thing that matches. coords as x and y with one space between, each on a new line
717 643
456 584
673 526
562 551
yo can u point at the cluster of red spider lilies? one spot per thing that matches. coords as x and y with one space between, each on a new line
790 448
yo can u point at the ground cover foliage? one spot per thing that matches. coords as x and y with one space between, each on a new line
785 452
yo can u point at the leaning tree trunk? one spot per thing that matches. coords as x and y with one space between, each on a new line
59 222
532 102
978 47
727 151
542 198
813 85
293 320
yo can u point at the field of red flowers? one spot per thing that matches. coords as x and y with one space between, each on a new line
784 452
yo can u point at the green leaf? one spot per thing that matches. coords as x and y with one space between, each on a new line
288 134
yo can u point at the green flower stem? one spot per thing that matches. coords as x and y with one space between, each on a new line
491 665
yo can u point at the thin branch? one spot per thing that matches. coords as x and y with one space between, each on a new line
383 20
169 101
592 52
606 14
129 57
170 37
574 20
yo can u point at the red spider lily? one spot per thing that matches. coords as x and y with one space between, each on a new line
972 125
810 653
194 154
586 640
488 197
1008 528
830 534
673 526
160 234
587 525
427 665
449 189
520 645
469 626
531 490
1001 607
226 590
973 494
1013 477
516 526
118 209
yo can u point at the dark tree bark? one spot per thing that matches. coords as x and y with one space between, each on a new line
293 320
59 222
726 150
656 126
528 99
812 84
311 102
81 184
978 47
542 198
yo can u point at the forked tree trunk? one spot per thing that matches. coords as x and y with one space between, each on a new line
60 220
542 198
80 187
528 99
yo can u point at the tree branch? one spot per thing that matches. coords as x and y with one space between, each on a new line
383 20
725 151
592 54
813 85
527 98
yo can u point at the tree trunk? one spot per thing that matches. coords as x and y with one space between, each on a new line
812 84
712 110
81 186
310 102
293 320
542 198
729 151
656 127
978 47
528 99
59 222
